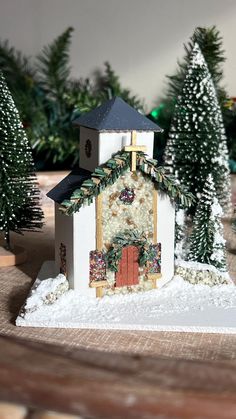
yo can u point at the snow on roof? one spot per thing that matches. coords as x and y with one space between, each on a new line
116 115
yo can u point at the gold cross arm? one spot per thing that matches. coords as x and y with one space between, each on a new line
133 148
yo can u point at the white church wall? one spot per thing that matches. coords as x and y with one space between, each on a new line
147 139
111 142
104 144
64 235
166 236
84 241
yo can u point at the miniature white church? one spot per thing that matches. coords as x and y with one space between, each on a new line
115 215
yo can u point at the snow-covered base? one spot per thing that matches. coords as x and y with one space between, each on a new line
178 306
201 273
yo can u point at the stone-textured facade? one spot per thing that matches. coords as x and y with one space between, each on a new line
119 216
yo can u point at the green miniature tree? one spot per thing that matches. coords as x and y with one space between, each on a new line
197 143
206 242
49 99
210 42
180 233
109 85
211 45
19 195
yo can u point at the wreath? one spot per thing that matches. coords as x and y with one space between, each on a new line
127 238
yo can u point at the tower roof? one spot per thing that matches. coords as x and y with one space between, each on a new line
116 115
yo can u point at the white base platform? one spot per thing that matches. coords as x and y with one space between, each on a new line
178 306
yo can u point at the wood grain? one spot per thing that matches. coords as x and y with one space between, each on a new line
12 411
128 267
133 148
98 385
12 257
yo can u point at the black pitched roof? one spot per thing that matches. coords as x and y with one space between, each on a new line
65 188
116 115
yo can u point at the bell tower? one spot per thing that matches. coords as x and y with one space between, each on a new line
111 127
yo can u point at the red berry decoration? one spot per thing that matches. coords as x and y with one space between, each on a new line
127 196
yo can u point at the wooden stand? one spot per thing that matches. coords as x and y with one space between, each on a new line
154 278
99 285
16 256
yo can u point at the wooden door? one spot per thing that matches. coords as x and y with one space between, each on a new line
128 267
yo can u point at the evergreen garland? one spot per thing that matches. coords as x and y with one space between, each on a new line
164 181
127 238
108 85
48 99
19 195
206 243
53 67
197 144
103 176
109 172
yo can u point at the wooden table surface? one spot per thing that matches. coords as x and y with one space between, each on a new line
97 385
15 283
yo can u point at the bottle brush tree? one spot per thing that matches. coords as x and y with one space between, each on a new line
197 141
19 195
210 42
206 242
180 233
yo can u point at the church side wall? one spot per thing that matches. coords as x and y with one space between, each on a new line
64 236
166 236
88 149
84 241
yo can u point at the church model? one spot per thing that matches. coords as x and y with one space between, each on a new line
115 215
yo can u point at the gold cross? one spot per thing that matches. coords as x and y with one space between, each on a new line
133 148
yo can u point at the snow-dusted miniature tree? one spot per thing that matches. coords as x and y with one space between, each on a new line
19 195
197 143
234 220
206 242
180 233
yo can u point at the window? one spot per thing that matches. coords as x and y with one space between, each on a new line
88 148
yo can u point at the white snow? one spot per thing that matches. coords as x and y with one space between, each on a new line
42 289
179 217
178 306
216 208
